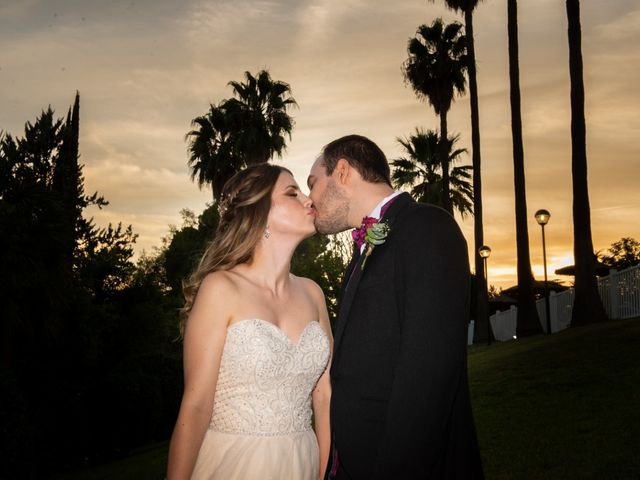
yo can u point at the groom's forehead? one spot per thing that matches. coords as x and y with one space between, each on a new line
315 171
310 179
318 167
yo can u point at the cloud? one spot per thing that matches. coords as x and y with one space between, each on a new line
145 68
16 10
150 199
132 188
623 27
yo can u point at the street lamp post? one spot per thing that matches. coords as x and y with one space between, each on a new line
484 252
542 217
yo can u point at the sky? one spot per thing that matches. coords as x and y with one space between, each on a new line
146 68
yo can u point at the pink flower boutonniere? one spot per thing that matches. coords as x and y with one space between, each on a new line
372 233
360 233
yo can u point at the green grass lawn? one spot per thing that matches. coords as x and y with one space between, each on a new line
565 406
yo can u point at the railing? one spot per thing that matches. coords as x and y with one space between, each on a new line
619 291
560 306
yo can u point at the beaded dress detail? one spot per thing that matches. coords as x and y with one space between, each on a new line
261 422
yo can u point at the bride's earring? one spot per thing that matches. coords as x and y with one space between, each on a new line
267 233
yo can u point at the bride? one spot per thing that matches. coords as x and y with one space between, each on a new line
257 343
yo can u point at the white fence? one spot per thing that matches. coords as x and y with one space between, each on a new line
620 293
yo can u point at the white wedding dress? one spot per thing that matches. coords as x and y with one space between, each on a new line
261 422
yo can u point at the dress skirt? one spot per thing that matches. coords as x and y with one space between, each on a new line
230 456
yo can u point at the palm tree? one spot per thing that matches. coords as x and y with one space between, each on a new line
259 111
482 307
587 306
212 158
436 70
528 322
419 169
247 129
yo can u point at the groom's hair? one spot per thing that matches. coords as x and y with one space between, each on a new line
362 154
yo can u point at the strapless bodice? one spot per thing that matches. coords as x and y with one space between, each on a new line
265 380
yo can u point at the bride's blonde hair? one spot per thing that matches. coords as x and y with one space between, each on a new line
244 207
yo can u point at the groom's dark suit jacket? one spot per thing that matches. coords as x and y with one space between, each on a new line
400 405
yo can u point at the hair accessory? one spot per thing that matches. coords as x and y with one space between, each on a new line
223 205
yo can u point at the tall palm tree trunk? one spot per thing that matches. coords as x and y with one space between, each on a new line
587 306
482 302
527 323
444 163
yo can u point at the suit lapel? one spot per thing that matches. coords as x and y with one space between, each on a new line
349 290
350 285
347 273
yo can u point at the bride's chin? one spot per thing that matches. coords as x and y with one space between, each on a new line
310 233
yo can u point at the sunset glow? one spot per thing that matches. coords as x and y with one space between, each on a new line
146 68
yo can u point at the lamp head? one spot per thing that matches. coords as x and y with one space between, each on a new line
542 216
484 251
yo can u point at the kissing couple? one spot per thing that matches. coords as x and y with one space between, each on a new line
388 396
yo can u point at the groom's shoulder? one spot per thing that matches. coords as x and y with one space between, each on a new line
430 229
426 217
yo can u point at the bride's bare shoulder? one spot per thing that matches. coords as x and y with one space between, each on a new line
211 310
219 285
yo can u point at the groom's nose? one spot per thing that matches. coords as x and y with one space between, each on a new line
308 203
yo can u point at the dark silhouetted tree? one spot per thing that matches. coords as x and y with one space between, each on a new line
467 7
587 304
420 169
320 259
186 245
67 182
622 254
528 322
87 351
436 70
247 129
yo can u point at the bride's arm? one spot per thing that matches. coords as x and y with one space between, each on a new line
321 395
203 343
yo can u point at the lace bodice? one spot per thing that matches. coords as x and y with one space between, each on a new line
265 381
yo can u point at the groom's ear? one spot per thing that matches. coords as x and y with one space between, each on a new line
342 171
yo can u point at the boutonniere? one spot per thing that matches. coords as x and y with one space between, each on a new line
375 234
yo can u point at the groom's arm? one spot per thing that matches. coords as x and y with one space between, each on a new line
434 269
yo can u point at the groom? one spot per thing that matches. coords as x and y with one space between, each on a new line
400 405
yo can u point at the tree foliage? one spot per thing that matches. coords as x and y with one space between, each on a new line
436 70
323 260
247 129
436 65
420 170
622 254
89 367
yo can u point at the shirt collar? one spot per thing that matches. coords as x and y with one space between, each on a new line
375 213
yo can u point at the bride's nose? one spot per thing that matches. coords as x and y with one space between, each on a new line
306 201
